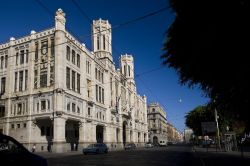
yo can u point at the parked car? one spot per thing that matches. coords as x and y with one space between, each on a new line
14 153
129 146
95 148
170 143
149 145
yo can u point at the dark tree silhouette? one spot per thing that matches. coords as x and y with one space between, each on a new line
209 45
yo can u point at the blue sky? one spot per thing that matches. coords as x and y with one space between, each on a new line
143 39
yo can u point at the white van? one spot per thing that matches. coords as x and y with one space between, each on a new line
163 143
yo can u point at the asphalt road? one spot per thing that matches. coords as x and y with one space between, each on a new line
167 156
175 155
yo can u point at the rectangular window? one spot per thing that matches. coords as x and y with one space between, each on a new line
73 80
68 77
2 111
102 96
88 111
19 109
6 61
43 79
3 84
104 42
37 107
22 57
78 83
27 56
15 83
68 53
24 125
73 107
88 67
78 60
2 61
98 42
18 126
102 77
95 73
43 105
17 58
52 48
96 92
20 80
99 75
12 126
73 56
36 51
26 79
35 78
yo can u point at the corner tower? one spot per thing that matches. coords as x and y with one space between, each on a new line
127 66
101 39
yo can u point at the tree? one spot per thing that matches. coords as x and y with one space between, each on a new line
205 113
208 46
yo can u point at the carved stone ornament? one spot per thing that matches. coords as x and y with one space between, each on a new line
60 16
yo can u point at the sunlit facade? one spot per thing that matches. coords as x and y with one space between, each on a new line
157 124
56 93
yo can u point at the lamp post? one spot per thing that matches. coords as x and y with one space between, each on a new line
217 128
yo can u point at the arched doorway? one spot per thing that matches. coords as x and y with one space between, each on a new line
99 134
155 140
124 128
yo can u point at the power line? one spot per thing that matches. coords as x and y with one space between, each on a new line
90 21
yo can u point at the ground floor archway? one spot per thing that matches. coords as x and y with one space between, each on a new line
72 134
124 134
99 134
155 140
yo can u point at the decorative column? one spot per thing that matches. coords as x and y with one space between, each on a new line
59 135
81 132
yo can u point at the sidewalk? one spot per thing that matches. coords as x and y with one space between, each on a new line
245 154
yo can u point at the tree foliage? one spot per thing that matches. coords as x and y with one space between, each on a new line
206 114
208 46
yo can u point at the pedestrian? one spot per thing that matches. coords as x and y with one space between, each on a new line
49 147
75 146
34 148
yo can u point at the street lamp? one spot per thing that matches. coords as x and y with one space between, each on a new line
217 127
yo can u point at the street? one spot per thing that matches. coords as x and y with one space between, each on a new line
175 155
172 155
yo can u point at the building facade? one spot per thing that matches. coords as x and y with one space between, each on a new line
157 123
55 93
174 135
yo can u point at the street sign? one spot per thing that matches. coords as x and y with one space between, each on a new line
208 127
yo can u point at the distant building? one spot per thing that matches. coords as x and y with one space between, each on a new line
157 123
55 92
188 133
173 134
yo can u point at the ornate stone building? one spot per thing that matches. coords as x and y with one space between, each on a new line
56 93
157 123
